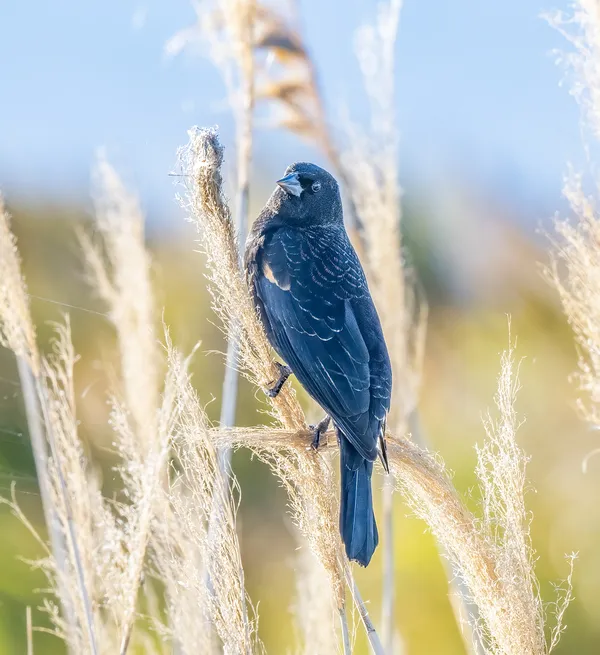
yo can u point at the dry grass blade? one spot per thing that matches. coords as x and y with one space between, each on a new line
184 553
16 329
576 267
207 207
17 333
120 272
67 469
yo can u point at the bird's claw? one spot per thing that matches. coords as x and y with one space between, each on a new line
284 374
318 431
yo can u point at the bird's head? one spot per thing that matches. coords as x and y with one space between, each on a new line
308 195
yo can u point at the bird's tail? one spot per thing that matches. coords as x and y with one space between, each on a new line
357 520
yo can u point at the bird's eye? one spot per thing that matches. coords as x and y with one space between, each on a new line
316 186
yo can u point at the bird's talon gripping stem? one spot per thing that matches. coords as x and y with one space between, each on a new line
284 374
318 431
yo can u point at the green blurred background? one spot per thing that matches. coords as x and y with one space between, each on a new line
486 133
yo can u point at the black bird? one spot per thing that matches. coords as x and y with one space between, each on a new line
313 298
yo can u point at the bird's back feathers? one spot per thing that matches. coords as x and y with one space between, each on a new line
310 313
313 298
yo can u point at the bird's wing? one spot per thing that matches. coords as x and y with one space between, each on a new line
309 284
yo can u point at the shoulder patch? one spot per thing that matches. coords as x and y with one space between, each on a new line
268 273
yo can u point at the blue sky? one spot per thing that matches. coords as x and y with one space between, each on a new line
478 94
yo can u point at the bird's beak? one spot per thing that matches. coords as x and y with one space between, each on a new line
291 184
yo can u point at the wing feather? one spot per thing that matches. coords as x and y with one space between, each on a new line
310 311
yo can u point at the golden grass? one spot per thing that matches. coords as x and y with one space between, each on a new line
105 540
203 577
575 270
16 329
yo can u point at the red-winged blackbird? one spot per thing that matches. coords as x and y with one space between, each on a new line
313 298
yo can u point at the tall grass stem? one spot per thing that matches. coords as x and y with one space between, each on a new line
29 629
71 529
372 636
35 424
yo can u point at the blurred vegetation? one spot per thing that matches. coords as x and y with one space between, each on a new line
490 271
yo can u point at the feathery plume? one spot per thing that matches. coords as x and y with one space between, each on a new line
16 329
229 27
18 333
492 553
184 552
68 468
582 31
575 270
119 268
119 271
200 162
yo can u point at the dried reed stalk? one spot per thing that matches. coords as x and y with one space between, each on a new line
145 442
240 19
307 477
18 334
229 27
492 554
75 583
185 552
119 270
575 270
57 399
29 630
